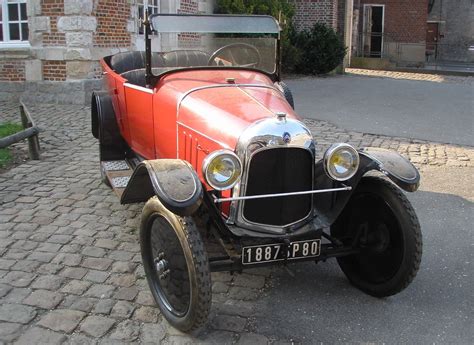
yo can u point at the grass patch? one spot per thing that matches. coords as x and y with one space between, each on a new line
9 128
6 129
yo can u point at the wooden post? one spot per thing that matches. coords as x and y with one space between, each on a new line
33 142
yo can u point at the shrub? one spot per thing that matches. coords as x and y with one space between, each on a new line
321 50
270 7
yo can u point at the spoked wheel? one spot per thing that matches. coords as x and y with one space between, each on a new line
176 266
380 221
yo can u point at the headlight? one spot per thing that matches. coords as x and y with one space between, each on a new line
222 169
341 162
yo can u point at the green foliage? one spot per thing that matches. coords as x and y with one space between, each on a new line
270 7
7 129
322 50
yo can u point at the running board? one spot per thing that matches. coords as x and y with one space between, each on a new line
118 174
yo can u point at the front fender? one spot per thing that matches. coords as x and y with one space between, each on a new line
173 181
328 206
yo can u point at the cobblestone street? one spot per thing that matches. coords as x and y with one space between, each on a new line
69 252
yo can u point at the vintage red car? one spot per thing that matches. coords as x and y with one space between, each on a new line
203 130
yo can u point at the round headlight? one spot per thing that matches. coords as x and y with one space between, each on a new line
341 162
222 169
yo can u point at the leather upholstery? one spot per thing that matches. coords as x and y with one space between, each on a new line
186 58
127 61
131 65
137 76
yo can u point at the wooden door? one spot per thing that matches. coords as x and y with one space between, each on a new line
432 37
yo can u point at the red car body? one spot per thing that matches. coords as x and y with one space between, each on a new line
184 117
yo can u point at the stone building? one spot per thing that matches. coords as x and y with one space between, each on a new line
50 49
450 35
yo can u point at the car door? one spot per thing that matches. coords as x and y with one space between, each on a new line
139 102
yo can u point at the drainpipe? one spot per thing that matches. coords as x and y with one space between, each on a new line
349 13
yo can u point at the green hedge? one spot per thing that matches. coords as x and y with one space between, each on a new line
319 50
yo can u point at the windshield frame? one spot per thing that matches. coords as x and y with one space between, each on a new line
272 28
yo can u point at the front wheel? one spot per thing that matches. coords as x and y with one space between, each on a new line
176 266
380 221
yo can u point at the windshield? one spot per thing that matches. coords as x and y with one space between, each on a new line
183 41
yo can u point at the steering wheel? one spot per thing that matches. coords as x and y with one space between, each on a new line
223 56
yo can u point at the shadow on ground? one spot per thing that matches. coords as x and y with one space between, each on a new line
319 305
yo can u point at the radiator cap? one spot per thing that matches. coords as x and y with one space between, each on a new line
281 116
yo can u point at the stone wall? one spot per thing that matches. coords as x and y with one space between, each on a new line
309 12
67 38
456 28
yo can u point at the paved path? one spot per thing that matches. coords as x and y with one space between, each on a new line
420 106
70 266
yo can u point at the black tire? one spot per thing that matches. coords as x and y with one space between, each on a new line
176 266
287 93
390 238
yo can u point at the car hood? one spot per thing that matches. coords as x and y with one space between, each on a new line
222 108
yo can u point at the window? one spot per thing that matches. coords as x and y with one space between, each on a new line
13 22
153 7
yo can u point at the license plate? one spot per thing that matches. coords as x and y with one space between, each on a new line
276 251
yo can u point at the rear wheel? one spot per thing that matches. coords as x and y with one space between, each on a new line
380 221
176 266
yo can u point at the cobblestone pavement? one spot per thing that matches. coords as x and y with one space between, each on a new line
438 78
69 255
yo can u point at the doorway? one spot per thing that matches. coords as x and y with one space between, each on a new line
432 38
373 30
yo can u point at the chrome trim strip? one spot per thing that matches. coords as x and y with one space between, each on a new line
139 88
263 196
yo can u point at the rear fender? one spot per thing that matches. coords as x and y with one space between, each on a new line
173 181
328 206
105 128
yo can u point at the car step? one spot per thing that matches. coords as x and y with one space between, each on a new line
118 174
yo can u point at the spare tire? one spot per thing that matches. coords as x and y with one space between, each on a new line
287 93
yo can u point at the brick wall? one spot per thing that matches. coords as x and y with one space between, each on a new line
54 70
112 17
12 70
341 13
188 6
309 12
405 20
53 9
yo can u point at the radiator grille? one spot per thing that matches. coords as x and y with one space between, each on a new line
279 170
